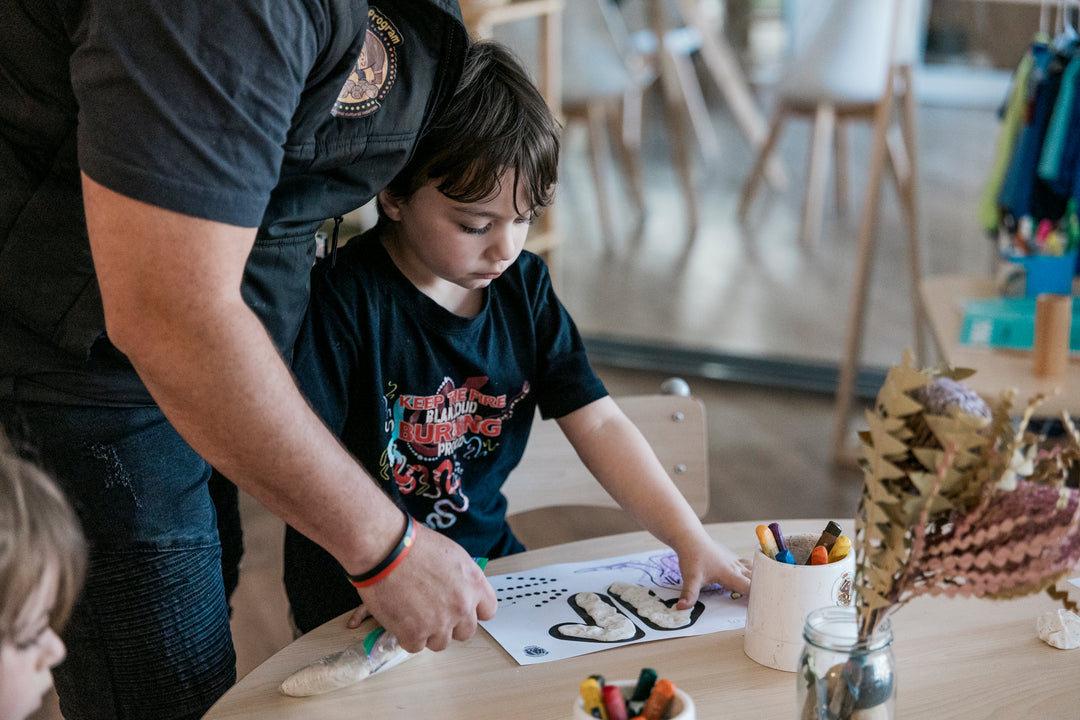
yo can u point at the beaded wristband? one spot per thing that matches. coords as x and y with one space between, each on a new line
390 562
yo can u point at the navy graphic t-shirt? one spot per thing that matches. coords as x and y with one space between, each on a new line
438 407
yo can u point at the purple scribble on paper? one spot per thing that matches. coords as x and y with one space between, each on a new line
659 570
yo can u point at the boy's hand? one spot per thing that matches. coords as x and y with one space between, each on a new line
436 595
719 565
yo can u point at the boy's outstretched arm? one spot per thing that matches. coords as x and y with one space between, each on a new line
619 457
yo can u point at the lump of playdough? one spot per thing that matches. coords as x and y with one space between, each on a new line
1060 628
649 606
607 623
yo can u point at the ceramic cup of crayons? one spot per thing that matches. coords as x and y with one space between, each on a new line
647 698
793 576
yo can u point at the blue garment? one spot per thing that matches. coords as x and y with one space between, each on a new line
437 407
257 114
154 592
1023 193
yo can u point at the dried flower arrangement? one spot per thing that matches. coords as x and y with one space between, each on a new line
955 501
958 501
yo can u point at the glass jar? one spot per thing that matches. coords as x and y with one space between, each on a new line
841 677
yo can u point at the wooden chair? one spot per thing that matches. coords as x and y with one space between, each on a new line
553 498
845 59
675 32
602 86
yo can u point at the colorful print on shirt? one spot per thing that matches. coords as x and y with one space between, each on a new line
431 436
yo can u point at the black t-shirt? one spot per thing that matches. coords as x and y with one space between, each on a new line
270 114
436 406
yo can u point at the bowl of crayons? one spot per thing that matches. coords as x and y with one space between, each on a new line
647 698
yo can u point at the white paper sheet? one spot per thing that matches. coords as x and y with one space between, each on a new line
533 602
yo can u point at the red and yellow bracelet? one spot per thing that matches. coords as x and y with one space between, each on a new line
390 562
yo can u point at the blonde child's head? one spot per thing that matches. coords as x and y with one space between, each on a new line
42 561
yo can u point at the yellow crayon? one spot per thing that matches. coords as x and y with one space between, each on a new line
593 699
768 542
840 548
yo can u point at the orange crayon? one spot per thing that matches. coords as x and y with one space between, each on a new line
659 699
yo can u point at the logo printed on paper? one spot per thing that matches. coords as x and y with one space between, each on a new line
373 75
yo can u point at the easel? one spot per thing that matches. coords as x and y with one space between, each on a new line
898 153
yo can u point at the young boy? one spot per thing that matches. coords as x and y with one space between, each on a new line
42 560
433 338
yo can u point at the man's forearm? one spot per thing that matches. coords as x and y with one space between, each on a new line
170 287
229 393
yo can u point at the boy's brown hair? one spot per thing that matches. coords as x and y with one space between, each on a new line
38 531
497 121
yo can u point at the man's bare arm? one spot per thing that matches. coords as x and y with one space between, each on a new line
170 284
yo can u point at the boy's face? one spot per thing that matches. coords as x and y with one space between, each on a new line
439 241
27 658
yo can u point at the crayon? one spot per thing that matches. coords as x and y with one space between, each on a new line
778 536
646 680
819 555
782 553
658 701
590 695
840 548
828 537
613 702
768 543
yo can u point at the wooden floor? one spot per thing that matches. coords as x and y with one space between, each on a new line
750 291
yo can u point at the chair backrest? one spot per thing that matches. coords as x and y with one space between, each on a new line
597 56
551 474
839 50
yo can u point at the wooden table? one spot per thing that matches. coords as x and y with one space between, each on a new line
943 298
955 659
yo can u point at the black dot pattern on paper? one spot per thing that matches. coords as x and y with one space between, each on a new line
535 590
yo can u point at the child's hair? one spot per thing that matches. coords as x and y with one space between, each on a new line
496 121
38 531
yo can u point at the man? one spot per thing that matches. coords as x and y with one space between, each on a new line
166 166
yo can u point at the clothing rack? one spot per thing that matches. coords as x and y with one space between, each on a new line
1033 186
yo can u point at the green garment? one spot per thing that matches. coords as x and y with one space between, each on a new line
1058 129
989 213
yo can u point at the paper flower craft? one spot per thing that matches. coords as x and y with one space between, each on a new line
958 501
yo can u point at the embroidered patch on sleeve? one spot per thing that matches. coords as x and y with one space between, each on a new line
372 76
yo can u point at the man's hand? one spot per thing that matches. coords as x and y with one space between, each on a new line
437 594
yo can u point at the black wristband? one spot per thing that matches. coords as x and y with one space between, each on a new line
390 562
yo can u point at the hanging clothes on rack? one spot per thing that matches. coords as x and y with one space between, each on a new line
1024 193
1036 169
1012 118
